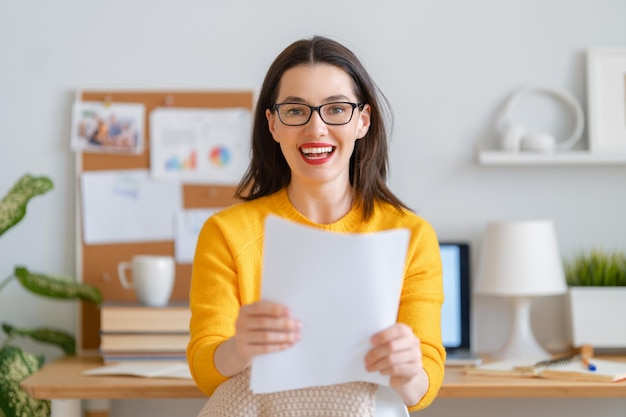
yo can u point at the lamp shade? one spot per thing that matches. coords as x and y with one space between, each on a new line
521 258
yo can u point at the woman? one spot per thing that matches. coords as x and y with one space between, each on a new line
319 157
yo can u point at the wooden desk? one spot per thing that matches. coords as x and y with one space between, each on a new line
61 381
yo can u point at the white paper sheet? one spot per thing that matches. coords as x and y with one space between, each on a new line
343 287
188 226
200 145
128 206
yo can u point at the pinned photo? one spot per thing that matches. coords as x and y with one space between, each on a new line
108 127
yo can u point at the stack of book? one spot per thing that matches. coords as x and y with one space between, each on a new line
136 332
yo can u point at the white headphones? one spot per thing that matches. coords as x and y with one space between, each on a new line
514 137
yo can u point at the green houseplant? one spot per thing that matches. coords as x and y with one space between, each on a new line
15 363
597 291
596 268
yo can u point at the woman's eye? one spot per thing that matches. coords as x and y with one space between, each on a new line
294 111
336 109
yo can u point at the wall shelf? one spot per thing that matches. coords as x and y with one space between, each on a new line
492 157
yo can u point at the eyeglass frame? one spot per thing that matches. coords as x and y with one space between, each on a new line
317 109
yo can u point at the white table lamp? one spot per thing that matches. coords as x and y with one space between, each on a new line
521 260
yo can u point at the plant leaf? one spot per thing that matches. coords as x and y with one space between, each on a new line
55 337
13 204
15 366
56 287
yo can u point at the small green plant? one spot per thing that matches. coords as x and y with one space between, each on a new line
596 268
15 363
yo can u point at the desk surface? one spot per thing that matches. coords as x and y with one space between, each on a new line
62 379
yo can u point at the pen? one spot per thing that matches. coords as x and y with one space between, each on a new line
586 352
590 366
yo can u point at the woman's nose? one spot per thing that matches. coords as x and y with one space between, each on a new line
316 126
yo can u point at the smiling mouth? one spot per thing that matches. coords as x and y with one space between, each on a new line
317 152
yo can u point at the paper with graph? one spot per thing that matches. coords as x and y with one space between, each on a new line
199 145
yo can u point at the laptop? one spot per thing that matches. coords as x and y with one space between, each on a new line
455 312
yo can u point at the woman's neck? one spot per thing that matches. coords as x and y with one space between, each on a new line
324 204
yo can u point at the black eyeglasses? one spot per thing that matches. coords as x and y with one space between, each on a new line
298 114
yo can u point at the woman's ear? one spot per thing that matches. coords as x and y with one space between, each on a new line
271 122
364 122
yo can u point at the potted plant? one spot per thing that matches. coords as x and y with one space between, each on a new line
597 298
15 363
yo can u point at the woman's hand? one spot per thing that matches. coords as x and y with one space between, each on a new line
396 352
264 327
261 327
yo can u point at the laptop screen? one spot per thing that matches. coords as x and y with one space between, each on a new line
455 313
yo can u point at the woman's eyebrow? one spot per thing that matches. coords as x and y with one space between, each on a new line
331 99
338 97
293 99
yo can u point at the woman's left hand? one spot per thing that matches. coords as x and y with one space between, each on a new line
395 352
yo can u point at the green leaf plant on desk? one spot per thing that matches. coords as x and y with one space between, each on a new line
597 290
15 363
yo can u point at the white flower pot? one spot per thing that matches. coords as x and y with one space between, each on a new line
598 316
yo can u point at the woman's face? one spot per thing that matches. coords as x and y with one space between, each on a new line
316 152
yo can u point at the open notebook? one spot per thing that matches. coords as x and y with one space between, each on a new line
147 369
570 369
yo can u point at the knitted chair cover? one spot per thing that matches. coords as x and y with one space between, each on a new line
233 398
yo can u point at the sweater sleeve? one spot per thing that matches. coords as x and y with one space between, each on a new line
420 306
214 302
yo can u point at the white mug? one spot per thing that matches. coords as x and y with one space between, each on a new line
152 278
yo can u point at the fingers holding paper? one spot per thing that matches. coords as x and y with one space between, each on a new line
261 327
265 327
395 352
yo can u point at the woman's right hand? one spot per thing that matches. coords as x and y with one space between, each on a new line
264 327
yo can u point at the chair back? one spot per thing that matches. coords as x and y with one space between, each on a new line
389 404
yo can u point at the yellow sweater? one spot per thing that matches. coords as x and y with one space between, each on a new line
227 274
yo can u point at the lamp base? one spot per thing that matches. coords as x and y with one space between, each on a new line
522 343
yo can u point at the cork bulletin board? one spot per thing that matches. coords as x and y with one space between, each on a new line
97 263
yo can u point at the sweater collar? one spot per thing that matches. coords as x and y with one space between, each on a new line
285 209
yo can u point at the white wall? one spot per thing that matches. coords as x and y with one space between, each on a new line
446 67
